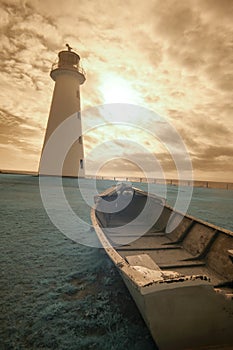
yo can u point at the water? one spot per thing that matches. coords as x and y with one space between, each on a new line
57 294
213 205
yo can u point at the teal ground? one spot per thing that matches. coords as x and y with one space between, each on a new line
57 294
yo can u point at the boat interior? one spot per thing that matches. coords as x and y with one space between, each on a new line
193 247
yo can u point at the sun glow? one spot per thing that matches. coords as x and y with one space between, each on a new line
118 90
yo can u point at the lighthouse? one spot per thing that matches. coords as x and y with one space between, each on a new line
68 76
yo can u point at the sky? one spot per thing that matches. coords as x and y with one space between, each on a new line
173 58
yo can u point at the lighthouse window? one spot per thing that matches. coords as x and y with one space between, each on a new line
81 163
80 140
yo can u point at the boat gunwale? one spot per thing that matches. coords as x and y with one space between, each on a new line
113 189
118 260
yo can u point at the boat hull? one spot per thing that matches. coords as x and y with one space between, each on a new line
181 310
187 316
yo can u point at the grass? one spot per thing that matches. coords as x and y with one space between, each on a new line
57 294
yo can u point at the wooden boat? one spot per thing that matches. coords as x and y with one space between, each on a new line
182 281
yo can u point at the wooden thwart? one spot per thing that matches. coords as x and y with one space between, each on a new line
180 264
161 247
152 234
142 260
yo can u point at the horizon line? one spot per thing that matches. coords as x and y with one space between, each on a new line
119 177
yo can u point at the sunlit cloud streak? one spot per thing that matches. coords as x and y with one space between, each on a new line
173 57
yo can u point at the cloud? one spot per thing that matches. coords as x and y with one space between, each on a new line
20 142
176 55
18 132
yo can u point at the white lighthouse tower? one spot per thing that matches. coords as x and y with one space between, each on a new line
68 76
